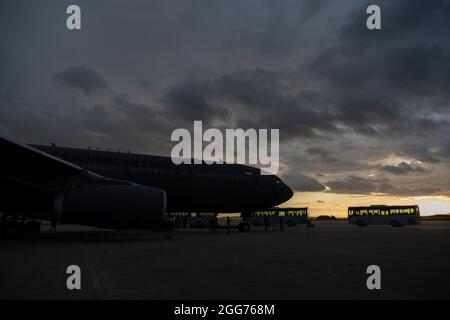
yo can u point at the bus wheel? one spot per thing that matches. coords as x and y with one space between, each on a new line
244 227
167 225
32 227
394 223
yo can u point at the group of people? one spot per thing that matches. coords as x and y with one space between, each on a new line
180 222
214 222
267 223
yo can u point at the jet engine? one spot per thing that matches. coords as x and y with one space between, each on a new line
112 206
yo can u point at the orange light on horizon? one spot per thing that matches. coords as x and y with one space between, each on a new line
326 203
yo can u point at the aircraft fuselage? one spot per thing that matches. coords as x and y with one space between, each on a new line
189 187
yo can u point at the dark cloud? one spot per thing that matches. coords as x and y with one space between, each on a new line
353 185
419 152
401 169
321 154
359 185
145 83
380 82
303 183
444 149
141 116
310 9
403 20
81 78
189 100
342 96
255 99
8 100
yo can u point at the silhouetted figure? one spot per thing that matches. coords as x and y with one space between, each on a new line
281 223
184 222
228 225
266 223
212 225
53 225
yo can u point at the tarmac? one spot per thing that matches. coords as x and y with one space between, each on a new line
328 261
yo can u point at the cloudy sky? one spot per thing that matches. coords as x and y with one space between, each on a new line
363 115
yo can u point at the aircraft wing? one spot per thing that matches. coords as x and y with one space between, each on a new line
25 165
30 179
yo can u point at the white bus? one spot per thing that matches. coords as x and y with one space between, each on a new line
294 216
291 216
256 218
192 219
201 219
396 216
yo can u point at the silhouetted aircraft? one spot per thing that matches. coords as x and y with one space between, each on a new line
121 190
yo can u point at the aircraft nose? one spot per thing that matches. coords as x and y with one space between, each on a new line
285 192
282 191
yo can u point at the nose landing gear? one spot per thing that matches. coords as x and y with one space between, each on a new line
13 227
244 227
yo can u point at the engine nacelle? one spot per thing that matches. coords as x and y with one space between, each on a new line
112 206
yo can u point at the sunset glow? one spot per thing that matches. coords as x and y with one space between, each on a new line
325 203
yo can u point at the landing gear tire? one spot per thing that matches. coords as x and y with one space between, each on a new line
10 229
31 227
244 227
395 223
167 225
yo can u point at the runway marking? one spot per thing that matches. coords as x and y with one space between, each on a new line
97 273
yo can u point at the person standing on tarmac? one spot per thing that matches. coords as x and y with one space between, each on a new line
212 224
228 225
266 223
53 225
